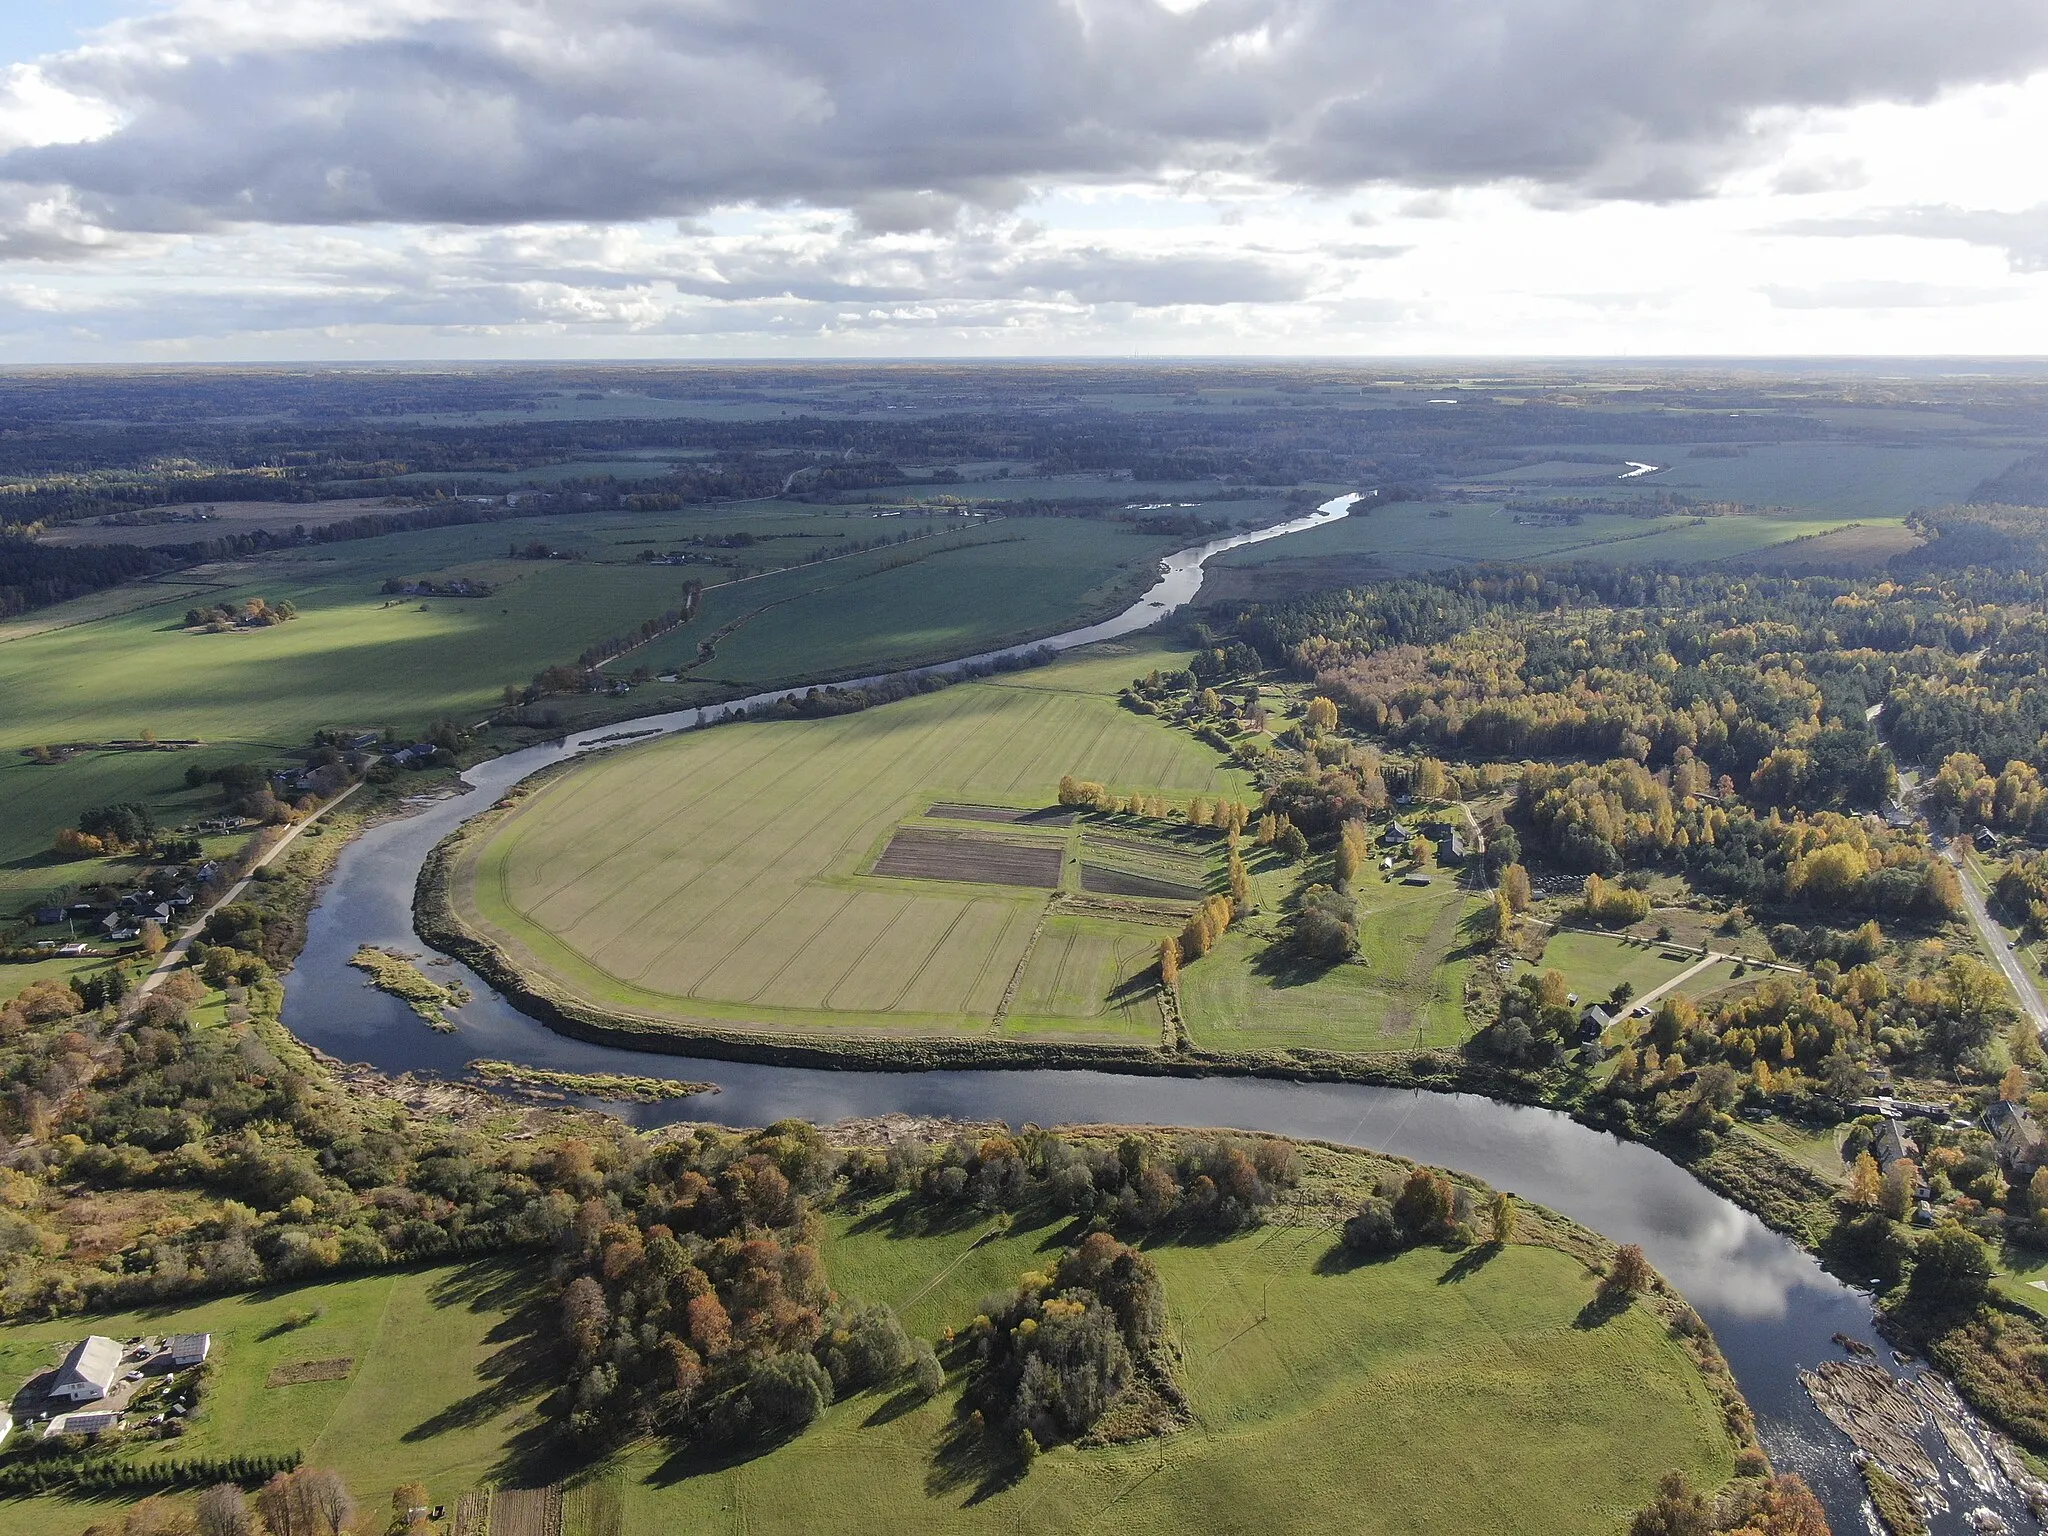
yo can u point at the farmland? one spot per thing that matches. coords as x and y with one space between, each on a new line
1419 536
820 872
98 668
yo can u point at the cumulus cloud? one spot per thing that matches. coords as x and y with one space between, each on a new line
910 111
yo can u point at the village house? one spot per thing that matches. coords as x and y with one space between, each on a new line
89 1370
189 1349
2017 1137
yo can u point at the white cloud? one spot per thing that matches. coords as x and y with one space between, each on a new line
249 177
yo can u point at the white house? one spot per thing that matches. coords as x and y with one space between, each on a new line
6 1425
89 1370
189 1349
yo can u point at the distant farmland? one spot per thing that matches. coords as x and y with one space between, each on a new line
793 874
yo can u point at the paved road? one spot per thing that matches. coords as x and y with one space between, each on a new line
1999 945
176 952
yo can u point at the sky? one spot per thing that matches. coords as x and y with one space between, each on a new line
361 180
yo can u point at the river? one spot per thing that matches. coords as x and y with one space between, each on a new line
1773 1309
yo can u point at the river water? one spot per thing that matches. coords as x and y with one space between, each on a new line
1773 1309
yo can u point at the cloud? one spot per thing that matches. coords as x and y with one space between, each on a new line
910 111
1879 294
2021 234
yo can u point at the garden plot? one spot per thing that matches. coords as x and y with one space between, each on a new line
957 810
920 855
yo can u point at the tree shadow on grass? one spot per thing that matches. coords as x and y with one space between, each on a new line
1339 1260
523 1371
1607 1304
893 1407
911 1215
974 1460
1280 964
1469 1263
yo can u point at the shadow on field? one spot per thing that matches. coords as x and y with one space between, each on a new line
894 1407
908 1216
1469 1263
1607 1304
1282 965
522 1369
972 1458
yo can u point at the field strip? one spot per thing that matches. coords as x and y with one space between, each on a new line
796 952
929 956
1017 976
855 961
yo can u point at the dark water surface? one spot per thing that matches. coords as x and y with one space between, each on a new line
1773 1309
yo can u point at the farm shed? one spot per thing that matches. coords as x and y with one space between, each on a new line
190 1348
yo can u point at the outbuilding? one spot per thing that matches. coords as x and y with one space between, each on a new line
82 1421
89 1370
188 1349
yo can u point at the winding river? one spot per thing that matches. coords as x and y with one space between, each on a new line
1773 1309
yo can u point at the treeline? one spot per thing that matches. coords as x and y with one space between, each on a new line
36 575
825 702
106 1474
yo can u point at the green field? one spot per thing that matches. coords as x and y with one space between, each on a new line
1422 536
118 664
1437 1394
1403 1396
725 874
445 1380
1594 963
1405 990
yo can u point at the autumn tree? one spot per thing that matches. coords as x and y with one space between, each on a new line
1514 884
1630 1274
153 941
1320 717
1502 1215
1679 1509
1198 812
1901 1184
1430 780
1866 1183
1502 918
409 1507
1290 841
1240 884
223 1510
1169 962
1352 852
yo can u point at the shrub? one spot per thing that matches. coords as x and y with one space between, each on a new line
789 1390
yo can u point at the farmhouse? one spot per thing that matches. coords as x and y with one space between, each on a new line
1396 835
88 1371
1892 1144
2018 1138
187 1349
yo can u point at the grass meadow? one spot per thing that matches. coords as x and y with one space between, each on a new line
1423 536
445 1379
725 873
1438 1392
1414 1395
1404 990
